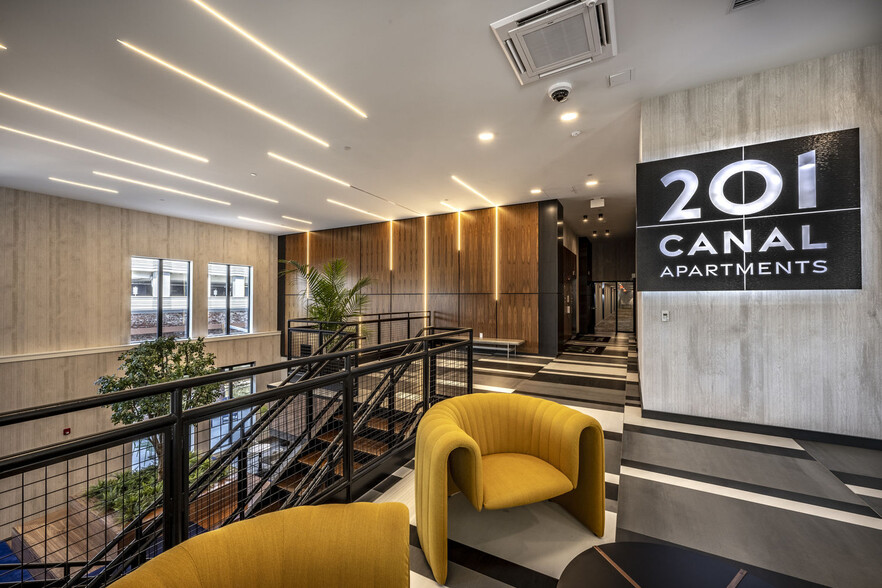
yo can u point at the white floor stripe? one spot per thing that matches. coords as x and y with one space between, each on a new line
609 420
611 478
861 490
756 498
499 371
585 374
492 388
483 359
632 417
585 368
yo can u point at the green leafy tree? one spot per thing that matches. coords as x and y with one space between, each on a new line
154 362
330 301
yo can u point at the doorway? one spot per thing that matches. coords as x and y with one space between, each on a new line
612 306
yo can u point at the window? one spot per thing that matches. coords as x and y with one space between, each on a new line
229 299
160 299
222 425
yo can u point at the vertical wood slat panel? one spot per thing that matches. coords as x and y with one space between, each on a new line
477 255
478 311
519 319
407 273
519 248
374 246
321 248
443 256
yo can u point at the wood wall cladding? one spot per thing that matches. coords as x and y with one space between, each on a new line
476 260
519 248
295 249
407 249
461 283
805 360
65 300
519 319
321 248
374 246
613 259
443 256
347 246
478 311
446 310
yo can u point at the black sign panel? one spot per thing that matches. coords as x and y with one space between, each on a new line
784 215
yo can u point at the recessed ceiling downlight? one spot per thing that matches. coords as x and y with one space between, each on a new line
536 191
224 93
486 136
568 116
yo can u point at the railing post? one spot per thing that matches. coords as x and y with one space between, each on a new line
426 375
348 440
172 484
470 363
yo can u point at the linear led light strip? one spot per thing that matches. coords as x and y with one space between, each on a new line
225 94
297 220
357 209
143 165
162 188
254 220
307 169
390 247
470 189
92 123
2 48
496 251
426 269
91 187
254 40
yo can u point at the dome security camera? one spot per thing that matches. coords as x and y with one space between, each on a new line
560 91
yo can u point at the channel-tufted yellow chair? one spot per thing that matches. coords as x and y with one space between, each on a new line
332 545
505 450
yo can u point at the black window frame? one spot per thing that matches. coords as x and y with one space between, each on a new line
159 286
228 291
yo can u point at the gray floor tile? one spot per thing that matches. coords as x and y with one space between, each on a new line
842 458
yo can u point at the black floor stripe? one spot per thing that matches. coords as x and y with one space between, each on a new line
859 480
612 436
599 404
708 440
511 367
860 509
776 579
387 483
490 565
579 381
612 491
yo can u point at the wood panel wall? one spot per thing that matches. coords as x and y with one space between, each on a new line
65 299
807 359
461 284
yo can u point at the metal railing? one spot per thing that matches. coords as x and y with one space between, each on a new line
86 512
305 335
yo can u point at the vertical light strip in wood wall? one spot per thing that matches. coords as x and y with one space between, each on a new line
426 266
496 252
390 247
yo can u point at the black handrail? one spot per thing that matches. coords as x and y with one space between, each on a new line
178 492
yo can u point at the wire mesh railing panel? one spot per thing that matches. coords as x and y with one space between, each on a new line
75 517
93 509
450 374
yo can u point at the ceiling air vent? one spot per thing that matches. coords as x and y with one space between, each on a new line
736 4
556 36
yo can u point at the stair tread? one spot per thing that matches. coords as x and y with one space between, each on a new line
363 444
381 424
290 483
313 456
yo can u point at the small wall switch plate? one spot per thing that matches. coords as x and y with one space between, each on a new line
666 316
480 335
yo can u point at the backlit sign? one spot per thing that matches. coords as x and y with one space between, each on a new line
784 215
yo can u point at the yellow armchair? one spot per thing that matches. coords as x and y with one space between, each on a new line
345 545
500 451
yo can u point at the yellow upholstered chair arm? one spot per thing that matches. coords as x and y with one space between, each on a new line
587 501
353 545
439 442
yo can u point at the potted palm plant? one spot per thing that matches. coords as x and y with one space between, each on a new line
329 300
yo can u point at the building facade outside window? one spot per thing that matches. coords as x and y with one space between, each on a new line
160 299
229 299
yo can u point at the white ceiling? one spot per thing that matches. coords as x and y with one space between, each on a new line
430 76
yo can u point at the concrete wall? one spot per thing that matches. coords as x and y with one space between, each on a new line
804 359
